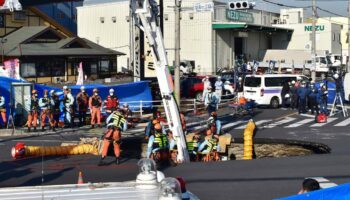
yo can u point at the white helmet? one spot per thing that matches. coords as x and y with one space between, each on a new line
240 78
227 82
126 105
219 77
82 88
293 81
111 90
65 87
336 76
298 78
52 92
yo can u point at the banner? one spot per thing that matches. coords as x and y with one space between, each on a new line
80 80
12 68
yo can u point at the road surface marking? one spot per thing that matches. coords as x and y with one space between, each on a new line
302 122
344 123
307 115
274 124
257 123
234 124
329 120
285 116
324 183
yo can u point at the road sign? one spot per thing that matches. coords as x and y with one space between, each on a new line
239 16
204 7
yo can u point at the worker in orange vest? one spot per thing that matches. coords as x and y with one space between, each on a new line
111 103
95 103
44 103
33 111
116 123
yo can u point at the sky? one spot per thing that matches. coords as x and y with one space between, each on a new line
336 6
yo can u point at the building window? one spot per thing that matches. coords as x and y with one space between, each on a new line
93 68
339 37
102 20
104 67
114 19
28 70
58 68
166 17
190 15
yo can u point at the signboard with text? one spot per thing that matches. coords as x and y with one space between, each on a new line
204 7
239 16
318 28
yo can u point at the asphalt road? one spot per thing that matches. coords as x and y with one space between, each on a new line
256 179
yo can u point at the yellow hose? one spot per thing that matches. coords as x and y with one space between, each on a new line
248 141
60 150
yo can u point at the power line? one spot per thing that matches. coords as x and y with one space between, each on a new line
330 12
284 5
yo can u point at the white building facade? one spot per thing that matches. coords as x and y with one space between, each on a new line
212 40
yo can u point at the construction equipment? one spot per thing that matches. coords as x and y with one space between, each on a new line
147 11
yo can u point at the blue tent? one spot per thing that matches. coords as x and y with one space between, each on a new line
132 93
341 192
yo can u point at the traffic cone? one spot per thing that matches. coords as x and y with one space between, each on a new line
80 178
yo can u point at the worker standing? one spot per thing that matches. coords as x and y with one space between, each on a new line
206 84
294 96
116 123
95 103
44 103
111 103
54 110
302 94
68 101
214 124
3 110
312 99
323 99
211 101
218 88
83 104
33 111
285 90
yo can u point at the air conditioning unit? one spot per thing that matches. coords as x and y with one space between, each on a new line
240 5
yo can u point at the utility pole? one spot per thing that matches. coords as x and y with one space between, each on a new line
348 63
313 41
177 51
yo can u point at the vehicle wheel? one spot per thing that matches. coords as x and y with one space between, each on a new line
274 102
199 96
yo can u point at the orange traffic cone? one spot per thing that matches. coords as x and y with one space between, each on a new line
80 178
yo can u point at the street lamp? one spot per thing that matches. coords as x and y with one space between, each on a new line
3 41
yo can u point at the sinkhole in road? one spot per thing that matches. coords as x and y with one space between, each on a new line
276 148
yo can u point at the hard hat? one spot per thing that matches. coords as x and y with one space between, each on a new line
155 122
52 92
321 84
95 90
298 78
227 82
240 78
34 91
111 90
65 87
82 88
336 76
287 96
206 77
293 81
213 114
219 77
126 105
158 127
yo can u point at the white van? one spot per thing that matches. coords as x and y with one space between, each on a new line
266 89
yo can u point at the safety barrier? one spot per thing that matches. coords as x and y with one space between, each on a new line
248 140
187 105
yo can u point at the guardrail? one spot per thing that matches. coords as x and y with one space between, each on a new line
187 105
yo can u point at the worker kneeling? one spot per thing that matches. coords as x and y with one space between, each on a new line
158 145
115 124
210 148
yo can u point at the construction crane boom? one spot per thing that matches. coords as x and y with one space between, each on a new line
147 11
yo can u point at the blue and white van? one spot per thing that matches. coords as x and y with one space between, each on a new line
266 89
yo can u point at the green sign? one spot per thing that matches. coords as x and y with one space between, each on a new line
318 28
239 16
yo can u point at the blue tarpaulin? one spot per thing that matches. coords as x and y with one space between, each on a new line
341 192
131 93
